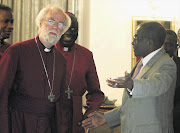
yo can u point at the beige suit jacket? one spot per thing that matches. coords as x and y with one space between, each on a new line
149 110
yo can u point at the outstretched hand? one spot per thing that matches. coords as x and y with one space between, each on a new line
121 82
94 120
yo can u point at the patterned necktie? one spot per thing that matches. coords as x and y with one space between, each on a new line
138 68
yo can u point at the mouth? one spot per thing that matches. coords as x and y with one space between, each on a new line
8 33
53 33
67 38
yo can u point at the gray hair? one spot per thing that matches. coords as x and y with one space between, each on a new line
45 10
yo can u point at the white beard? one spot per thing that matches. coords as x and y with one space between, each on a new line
50 39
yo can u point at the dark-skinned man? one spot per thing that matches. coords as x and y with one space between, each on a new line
81 76
170 46
6 27
147 102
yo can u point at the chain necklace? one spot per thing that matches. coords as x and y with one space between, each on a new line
69 91
51 97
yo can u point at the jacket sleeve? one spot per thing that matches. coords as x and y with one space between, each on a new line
8 66
95 96
113 117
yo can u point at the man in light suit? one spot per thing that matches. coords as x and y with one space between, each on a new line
147 103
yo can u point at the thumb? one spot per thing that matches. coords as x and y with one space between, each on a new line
126 73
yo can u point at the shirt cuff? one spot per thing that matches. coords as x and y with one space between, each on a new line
130 91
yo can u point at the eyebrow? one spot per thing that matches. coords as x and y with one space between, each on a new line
55 20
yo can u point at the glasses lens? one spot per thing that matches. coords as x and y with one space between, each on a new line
60 25
51 22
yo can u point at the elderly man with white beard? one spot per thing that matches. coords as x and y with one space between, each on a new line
32 76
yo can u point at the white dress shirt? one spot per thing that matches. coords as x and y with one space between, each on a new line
145 60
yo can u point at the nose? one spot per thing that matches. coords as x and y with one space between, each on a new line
55 26
10 25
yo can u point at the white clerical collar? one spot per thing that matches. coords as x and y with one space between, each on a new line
47 50
147 58
65 49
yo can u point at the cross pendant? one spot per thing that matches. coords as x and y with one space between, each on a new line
51 97
69 91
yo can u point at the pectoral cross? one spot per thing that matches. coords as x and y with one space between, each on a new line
69 91
51 97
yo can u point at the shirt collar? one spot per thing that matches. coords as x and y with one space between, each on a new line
147 58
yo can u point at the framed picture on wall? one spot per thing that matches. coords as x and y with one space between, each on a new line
167 23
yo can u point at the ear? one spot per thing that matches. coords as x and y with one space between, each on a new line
152 45
151 42
40 24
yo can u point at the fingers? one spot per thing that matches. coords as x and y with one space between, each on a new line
116 83
86 123
89 124
94 120
120 82
126 73
111 83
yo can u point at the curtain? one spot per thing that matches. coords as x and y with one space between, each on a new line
25 12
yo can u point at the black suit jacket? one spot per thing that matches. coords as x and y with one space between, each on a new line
177 89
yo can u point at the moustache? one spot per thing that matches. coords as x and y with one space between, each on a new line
52 31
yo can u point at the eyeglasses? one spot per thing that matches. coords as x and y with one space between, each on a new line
52 22
73 30
136 39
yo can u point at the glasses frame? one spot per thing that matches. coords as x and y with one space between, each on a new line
136 38
51 22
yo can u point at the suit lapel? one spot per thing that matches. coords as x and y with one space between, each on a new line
151 62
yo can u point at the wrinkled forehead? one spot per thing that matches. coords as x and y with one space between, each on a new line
56 15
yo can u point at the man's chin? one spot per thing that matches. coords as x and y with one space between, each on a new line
53 41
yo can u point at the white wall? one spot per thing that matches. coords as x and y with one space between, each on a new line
108 33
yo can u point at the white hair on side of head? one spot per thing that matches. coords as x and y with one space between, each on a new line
45 10
43 13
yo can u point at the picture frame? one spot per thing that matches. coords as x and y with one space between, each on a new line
167 23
